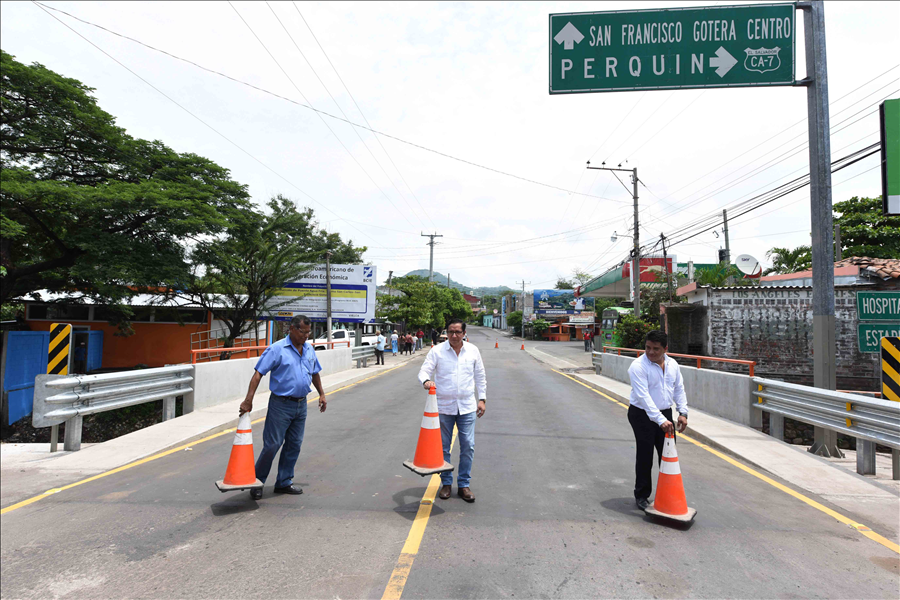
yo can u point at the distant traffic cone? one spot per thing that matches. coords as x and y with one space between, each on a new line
670 501
429 457
241 472
496 344
523 346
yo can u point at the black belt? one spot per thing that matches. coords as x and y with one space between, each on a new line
292 398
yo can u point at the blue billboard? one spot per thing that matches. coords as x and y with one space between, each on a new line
560 302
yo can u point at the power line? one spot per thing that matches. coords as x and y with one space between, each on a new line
325 113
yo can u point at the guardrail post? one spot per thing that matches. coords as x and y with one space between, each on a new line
72 438
865 457
168 410
895 464
776 426
54 438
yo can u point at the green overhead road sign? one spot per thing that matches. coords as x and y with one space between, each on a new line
890 156
722 46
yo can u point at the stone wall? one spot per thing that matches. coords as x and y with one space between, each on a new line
773 326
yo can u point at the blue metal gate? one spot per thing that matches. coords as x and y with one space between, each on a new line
26 357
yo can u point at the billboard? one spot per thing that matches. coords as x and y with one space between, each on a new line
352 295
560 302
890 156
652 269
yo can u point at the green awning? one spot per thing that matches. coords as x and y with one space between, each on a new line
609 285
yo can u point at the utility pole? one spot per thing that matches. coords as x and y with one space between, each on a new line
523 282
636 251
666 266
824 347
328 294
837 243
431 257
727 246
448 282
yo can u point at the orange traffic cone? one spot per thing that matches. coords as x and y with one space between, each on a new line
523 346
496 344
670 501
429 457
241 472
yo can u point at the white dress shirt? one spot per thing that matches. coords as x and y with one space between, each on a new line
457 378
653 390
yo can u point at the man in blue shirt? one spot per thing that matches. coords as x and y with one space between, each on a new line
379 348
294 368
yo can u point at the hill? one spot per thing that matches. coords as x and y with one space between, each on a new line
478 291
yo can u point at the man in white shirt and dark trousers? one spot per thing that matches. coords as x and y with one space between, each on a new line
656 384
455 368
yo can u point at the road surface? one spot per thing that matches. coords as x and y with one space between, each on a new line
554 515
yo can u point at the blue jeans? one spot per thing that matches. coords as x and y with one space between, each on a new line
465 426
285 424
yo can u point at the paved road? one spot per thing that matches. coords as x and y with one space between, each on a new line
553 517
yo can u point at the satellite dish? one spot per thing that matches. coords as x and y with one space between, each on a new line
748 265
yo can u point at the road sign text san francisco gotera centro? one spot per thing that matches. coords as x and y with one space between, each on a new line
728 46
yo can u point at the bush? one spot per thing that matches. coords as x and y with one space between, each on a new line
631 331
514 320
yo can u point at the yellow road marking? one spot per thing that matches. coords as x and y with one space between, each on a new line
142 461
863 529
400 574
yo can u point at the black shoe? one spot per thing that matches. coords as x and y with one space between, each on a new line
643 503
292 490
256 493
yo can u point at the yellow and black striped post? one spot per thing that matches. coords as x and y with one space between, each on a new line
890 368
60 349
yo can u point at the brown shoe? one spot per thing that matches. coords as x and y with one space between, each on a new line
466 494
444 494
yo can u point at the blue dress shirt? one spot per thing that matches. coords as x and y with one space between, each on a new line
291 372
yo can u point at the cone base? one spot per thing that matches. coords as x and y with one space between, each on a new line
423 471
685 518
226 487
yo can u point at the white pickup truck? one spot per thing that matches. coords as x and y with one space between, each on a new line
345 335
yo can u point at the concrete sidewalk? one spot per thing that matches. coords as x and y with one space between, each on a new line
873 501
30 469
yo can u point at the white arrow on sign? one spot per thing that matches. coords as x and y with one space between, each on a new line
569 36
723 61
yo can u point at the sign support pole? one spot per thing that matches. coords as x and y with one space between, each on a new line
824 348
328 296
636 264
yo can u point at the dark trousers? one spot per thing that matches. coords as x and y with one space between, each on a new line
647 435
379 357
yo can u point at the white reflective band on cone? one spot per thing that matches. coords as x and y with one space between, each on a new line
431 422
670 468
431 404
669 449
244 421
243 439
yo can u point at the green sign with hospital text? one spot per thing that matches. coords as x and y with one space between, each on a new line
720 46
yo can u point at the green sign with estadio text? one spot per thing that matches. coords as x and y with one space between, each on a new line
720 46
870 335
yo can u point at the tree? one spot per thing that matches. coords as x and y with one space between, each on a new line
540 326
865 231
514 319
237 275
631 331
564 284
580 277
87 207
424 303
789 261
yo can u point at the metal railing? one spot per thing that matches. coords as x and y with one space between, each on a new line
597 361
869 420
195 354
362 354
751 364
317 345
202 340
65 399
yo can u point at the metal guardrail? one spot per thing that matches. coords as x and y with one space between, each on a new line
751 364
597 361
62 398
869 420
362 354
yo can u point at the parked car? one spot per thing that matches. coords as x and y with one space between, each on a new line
344 335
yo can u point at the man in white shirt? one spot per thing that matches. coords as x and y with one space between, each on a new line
456 370
656 384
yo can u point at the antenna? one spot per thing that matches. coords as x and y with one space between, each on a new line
749 266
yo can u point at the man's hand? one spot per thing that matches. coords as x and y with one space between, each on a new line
428 383
246 405
323 403
669 427
682 423
481 408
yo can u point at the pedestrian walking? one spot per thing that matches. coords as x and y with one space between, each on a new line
420 339
656 384
456 369
409 344
294 369
395 341
588 339
379 348
434 337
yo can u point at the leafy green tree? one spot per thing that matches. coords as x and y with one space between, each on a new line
425 304
540 326
631 331
719 275
87 207
785 260
865 231
564 284
237 275
580 277
514 319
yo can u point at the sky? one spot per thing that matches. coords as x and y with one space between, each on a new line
470 144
